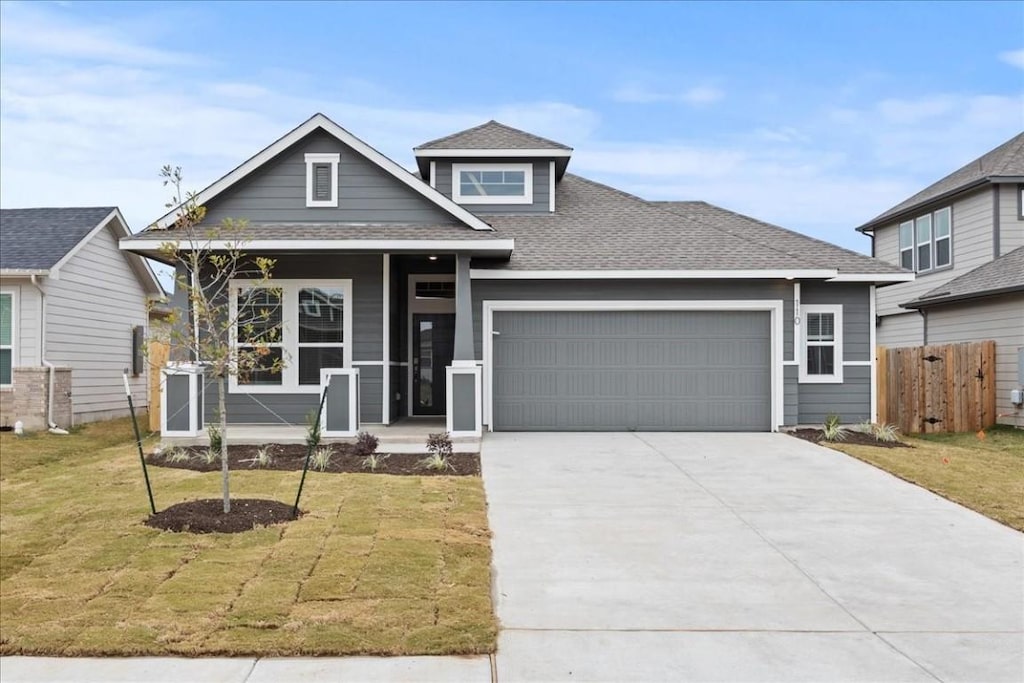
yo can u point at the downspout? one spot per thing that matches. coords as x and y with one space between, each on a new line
51 369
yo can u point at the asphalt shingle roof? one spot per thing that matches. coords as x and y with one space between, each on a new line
493 135
815 251
36 239
1004 274
596 227
1005 160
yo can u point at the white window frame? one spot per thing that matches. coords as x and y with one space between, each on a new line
458 169
312 160
931 242
837 360
13 346
290 333
907 247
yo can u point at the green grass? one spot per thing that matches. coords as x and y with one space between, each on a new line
984 474
378 565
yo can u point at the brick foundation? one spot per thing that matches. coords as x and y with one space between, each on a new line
26 400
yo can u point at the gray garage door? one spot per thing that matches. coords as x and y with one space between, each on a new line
632 370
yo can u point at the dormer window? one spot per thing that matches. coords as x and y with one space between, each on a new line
492 183
322 180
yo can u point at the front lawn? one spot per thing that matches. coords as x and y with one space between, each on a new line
984 474
379 564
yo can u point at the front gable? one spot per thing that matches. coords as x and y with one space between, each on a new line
276 192
274 186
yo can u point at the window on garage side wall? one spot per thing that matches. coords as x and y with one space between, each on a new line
822 344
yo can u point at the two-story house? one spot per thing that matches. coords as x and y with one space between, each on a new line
964 238
499 290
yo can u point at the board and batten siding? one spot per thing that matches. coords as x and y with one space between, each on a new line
365 271
972 246
1011 226
541 186
1000 319
27 316
90 313
276 192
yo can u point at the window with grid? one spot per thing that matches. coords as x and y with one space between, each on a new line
822 359
492 183
926 242
260 328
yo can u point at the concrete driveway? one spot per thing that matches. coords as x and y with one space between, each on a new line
747 557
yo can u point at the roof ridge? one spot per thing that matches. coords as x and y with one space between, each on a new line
492 123
451 135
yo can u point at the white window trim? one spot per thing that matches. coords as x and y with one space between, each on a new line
527 197
931 243
13 293
290 334
312 159
773 306
837 360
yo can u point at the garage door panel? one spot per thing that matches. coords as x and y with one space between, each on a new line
648 370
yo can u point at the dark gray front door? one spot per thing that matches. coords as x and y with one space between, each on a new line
632 370
433 337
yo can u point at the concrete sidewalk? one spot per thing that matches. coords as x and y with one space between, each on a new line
740 557
242 670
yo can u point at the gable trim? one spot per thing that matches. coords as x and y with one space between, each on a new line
319 121
138 264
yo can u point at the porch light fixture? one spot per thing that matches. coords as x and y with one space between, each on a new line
432 257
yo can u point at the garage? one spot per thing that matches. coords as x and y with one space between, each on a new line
645 370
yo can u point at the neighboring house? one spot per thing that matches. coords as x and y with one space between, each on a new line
72 316
962 236
501 291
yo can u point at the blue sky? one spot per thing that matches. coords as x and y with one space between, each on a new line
812 116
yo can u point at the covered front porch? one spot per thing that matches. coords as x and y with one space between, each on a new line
385 339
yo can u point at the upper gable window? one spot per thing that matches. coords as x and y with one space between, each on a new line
926 243
492 183
322 180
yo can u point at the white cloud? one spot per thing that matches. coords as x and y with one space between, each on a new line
1013 58
695 96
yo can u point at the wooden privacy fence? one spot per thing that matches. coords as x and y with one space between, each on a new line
158 352
938 388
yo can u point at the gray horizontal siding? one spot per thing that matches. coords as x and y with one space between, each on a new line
90 312
276 192
790 395
905 329
972 246
1000 319
541 186
627 290
856 302
292 409
851 400
1011 226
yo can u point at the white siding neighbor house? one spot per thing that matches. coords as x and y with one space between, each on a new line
964 238
73 315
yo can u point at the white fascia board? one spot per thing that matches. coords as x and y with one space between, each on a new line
473 153
471 246
321 121
485 274
868 277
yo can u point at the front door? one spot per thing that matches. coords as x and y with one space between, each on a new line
433 341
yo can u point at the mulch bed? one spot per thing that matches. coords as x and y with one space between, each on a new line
291 457
207 516
852 437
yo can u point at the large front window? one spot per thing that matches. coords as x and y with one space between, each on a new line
822 343
492 183
301 326
926 243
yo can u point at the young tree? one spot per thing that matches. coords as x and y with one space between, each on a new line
227 328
